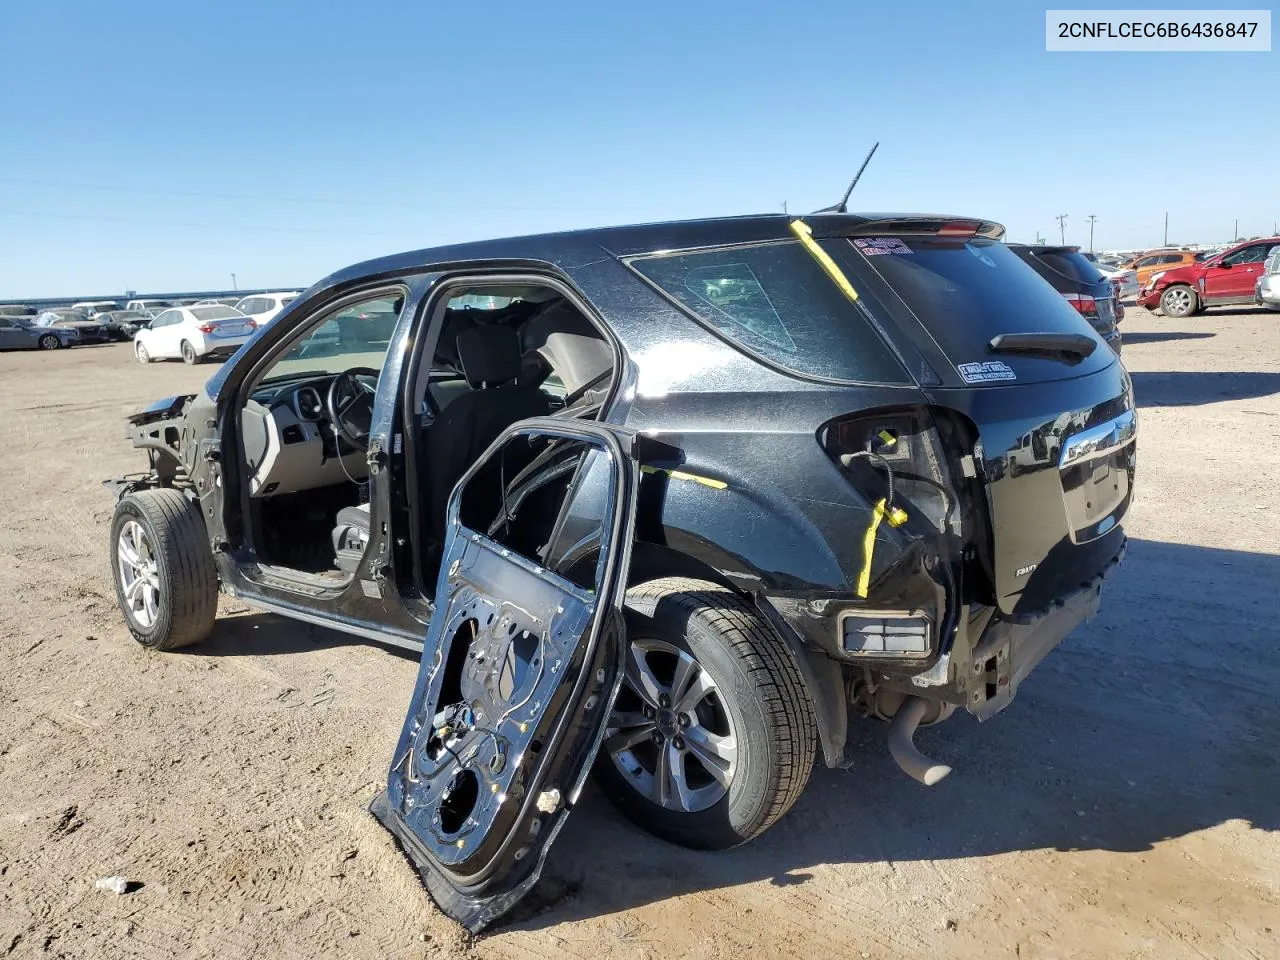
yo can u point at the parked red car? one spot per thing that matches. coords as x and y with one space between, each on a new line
1225 278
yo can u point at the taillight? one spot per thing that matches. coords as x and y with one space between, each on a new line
251 323
1084 304
206 328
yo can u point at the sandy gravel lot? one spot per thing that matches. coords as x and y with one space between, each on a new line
1126 805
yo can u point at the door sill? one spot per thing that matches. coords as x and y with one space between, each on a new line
356 628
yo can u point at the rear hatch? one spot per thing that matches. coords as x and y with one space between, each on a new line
1052 407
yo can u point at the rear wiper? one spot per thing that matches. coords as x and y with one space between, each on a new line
1067 347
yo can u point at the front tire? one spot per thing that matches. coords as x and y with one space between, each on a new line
49 342
140 352
713 735
163 570
1178 301
189 355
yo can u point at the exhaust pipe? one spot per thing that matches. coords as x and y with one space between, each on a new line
901 731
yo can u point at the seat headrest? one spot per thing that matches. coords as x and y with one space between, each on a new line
489 355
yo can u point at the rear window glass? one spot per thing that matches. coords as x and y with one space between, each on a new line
1073 266
966 292
215 313
776 302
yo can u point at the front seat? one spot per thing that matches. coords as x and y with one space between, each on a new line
350 537
490 358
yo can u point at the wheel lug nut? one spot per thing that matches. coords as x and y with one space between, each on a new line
657 736
664 700
649 712
678 743
684 720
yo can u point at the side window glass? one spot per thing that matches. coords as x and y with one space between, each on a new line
1148 261
1253 254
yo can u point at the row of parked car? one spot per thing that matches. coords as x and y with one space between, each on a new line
159 329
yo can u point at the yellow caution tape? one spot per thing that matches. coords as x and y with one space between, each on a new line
805 235
887 438
896 517
681 475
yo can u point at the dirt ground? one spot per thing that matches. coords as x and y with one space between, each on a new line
1126 805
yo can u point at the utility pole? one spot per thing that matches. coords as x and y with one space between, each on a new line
1235 232
1092 217
784 206
1062 227
233 283
1039 239
1166 228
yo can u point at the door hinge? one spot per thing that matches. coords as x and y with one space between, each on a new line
376 458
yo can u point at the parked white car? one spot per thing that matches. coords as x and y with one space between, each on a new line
148 306
263 306
90 307
193 333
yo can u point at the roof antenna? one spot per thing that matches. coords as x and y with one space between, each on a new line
843 205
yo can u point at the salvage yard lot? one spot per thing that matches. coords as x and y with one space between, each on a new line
1126 805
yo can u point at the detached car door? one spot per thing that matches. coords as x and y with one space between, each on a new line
522 662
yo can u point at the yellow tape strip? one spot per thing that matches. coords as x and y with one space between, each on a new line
805 235
896 517
681 475
869 549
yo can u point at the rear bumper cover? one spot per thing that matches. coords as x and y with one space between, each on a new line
987 665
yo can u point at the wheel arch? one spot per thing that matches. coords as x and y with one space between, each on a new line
823 677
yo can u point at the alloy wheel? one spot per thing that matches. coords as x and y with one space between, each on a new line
670 735
49 342
1178 302
139 574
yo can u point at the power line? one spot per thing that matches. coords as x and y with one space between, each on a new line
1092 218
329 201
1062 227
250 228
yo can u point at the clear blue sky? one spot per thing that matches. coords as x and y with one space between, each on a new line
165 145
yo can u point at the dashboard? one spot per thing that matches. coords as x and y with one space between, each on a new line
289 442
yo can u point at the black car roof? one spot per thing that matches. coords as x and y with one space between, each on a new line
582 246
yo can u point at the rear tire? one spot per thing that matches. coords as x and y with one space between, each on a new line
1179 301
757 714
49 342
189 355
166 583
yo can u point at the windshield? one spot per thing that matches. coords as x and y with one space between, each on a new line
216 313
964 293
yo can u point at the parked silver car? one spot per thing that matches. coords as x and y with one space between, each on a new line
23 333
1267 291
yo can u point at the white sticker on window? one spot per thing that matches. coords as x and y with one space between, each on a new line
875 246
987 372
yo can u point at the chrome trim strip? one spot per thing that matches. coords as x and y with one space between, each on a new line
1100 440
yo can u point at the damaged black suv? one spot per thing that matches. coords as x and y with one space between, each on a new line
667 501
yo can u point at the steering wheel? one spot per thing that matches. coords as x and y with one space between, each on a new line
350 404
